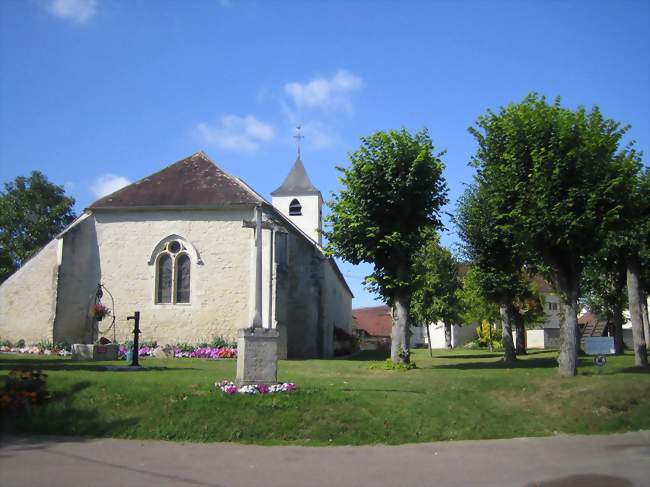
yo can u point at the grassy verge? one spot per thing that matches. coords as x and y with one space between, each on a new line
455 395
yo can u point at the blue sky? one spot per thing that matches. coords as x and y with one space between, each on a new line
95 93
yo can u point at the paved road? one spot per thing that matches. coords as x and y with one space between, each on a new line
593 461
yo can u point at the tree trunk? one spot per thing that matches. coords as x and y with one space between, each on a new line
399 346
617 325
644 318
520 346
447 334
569 330
508 345
634 300
429 340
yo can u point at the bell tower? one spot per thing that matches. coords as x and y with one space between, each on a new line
299 200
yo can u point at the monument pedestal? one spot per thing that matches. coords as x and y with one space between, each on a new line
97 353
257 356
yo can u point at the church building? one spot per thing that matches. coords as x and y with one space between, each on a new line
179 247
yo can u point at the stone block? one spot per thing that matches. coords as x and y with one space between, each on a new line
257 356
97 353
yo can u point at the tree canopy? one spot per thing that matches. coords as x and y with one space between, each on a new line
392 191
32 211
556 179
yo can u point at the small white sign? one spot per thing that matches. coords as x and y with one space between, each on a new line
599 346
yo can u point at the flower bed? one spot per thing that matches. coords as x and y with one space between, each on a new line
34 350
230 388
213 353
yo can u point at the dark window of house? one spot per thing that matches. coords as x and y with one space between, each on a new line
164 291
295 208
182 279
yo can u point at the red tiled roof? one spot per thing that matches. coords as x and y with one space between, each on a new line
376 321
588 317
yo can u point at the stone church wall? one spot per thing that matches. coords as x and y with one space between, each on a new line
79 274
317 302
304 310
219 286
28 298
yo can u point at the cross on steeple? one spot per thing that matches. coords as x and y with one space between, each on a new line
299 136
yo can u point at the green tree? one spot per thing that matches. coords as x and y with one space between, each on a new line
634 236
392 191
435 295
32 211
474 304
497 257
603 289
558 177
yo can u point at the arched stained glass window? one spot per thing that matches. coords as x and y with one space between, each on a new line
182 278
173 266
164 285
295 208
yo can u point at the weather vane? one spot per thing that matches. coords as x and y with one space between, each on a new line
299 136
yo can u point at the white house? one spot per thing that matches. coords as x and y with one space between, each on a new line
175 247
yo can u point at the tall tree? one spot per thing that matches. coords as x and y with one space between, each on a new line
435 297
558 177
392 191
32 211
495 254
634 232
603 289
474 304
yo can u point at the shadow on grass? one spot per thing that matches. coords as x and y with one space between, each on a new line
370 355
58 364
634 370
60 416
538 363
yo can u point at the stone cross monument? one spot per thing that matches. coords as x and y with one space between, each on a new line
257 347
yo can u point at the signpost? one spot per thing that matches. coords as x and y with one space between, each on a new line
599 346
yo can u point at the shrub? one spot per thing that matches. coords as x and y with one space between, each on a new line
23 389
20 343
388 364
344 343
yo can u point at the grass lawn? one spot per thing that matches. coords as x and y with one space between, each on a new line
455 395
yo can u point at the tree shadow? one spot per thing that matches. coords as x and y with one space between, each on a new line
537 363
370 355
634 370
54 364
58 415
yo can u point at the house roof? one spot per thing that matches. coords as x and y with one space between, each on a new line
297 183
376 321
191 182
586 318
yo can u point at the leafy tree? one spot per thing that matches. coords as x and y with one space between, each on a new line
497 257
32 211
557 178
603 288
475 305
634 237
437 283
393 190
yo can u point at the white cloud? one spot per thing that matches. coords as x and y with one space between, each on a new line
235 133
107 184
318 136
329 94
78 11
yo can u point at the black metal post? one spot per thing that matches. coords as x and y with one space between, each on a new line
136 334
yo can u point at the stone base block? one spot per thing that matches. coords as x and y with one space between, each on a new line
257 356
97 353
